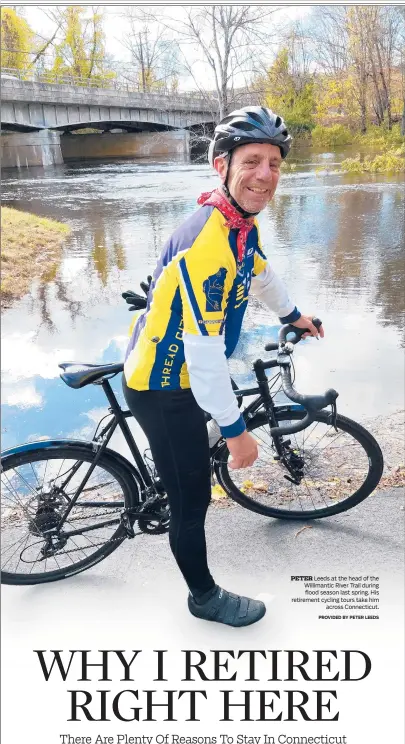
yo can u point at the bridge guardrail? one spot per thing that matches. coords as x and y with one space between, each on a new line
13 78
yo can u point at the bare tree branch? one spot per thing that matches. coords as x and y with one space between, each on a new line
228 37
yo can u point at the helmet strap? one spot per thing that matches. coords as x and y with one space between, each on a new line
229 196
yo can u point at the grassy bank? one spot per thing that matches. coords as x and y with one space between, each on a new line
386 148
390 161
31 248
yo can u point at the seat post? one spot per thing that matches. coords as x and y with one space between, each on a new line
116 409
111 397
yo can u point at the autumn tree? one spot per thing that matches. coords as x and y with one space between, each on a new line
355 48
340 50
80 54
288 87
16 40
380 27
401 54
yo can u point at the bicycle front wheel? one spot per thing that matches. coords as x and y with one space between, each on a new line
339 469
37 486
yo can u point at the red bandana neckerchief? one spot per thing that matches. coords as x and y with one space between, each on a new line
233 219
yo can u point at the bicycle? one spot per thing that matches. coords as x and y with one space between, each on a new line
75 502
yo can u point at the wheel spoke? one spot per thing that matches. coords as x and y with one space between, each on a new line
332 467
33 501
16 550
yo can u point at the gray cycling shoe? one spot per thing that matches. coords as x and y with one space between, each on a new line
227 608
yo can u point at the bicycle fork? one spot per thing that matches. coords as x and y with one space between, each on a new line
285 455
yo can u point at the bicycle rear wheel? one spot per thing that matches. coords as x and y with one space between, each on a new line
340 469
36 486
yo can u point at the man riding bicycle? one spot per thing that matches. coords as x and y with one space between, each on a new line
176 368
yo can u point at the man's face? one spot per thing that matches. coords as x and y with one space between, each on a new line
253 174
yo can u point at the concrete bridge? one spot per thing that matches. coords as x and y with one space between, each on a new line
32 106
40 112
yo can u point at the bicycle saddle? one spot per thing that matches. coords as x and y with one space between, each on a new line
77 374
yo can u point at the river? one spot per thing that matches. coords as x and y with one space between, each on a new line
337 241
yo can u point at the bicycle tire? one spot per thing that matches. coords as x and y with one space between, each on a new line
367 445
11 515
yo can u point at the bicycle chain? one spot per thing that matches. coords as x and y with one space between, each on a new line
101 514
96 545
93 545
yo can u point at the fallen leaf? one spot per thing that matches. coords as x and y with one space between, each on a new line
306 527
261 487
218 493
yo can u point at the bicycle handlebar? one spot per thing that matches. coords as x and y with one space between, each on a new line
311 403
298 334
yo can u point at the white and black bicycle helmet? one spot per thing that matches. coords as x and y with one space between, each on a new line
248 125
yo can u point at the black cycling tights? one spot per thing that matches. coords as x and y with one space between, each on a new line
175 427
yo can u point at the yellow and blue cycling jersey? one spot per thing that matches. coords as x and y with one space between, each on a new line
198 287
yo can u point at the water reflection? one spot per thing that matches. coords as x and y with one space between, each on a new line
355 233
337 241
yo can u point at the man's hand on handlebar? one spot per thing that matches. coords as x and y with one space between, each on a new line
305 321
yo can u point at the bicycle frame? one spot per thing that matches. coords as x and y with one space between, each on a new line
143 474
263 399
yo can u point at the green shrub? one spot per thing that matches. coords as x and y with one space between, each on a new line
391 161
380 137
353 165
331 136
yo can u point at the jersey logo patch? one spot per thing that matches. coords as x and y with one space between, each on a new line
214 291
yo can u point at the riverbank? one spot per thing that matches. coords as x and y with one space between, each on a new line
31 248
378 150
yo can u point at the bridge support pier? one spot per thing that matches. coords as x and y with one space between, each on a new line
22 150
132 144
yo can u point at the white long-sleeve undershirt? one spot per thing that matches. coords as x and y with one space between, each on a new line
269 288
210 381
207 364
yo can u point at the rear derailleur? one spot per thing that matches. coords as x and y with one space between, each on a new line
45 524
292 461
